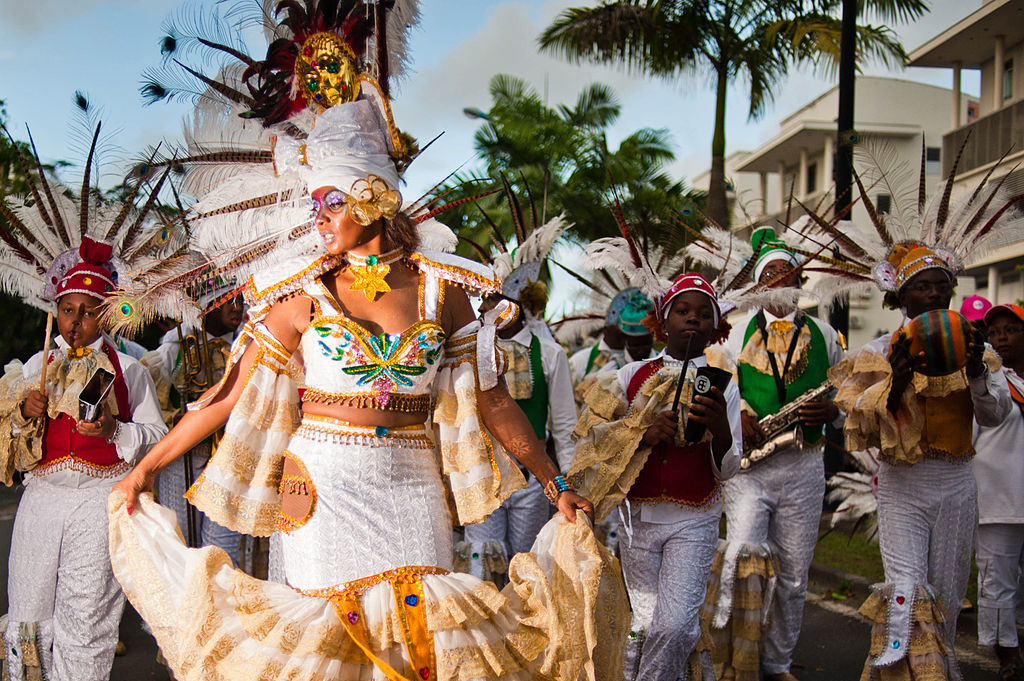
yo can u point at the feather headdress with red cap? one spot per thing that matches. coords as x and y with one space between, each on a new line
59 243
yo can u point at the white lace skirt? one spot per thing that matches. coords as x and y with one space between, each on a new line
370 596
378 503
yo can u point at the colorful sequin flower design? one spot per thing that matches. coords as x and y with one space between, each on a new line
384 361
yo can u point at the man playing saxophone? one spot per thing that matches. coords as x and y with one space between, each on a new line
773 508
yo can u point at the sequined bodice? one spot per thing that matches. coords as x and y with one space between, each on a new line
347 364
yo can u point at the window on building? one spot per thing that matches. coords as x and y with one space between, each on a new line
973 111
812 178
883 204
933 160
1008 79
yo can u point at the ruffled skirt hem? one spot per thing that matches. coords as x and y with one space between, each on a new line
215 623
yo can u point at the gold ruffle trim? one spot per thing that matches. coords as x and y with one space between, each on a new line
250 456
933 420
609 453
755 353
564 621
926 653
64 380
737 646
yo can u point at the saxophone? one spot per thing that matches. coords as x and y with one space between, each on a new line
778 427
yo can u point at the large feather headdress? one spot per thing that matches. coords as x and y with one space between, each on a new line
920 231
256 146
45 230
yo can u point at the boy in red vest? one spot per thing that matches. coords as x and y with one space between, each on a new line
65 605
631 451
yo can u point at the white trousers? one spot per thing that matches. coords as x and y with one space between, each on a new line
515 523
926 519
777 505
60 577
999 549
666 568
171 486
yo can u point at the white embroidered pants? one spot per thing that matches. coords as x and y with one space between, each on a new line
515 523
777 505
926 519
666 568
999 548
60 577
171 486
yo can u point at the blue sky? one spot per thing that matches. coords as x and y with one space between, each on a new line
50 48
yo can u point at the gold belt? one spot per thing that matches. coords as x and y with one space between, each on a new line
387 402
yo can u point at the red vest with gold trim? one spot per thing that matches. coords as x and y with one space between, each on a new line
681 475
62 440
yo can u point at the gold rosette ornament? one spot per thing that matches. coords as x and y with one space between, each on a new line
371 199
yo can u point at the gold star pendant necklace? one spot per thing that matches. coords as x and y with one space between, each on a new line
370 270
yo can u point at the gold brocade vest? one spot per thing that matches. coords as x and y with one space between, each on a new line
948 410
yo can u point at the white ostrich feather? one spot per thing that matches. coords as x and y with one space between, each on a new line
539 242
436 236
856 493
572 330
613 253
402 17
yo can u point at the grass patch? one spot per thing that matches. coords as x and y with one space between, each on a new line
850 554
856 555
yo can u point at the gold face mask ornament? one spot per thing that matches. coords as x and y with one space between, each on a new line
326 70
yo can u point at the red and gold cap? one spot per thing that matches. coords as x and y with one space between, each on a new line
690 282
92 275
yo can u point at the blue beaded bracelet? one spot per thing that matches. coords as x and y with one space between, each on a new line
555 487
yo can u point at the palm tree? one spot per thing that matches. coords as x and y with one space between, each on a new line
561 156
751 40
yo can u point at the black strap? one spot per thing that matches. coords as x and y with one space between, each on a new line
780 382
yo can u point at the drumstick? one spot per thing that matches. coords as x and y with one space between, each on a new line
682 374
46 349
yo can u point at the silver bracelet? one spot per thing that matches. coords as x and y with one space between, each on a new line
117 431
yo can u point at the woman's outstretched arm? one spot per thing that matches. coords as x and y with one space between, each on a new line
196 426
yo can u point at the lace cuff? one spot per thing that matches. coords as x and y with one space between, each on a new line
239 487
21 439
609 454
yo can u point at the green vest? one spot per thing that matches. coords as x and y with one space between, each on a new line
805 373
536 405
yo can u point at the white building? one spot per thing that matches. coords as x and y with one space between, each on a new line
990 40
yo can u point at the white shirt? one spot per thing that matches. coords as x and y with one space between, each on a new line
133 439
129 347
579 360
561 402
999 465
665 512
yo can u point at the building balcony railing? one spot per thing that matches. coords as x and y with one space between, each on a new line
990 137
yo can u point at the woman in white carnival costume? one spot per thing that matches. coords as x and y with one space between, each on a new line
390 446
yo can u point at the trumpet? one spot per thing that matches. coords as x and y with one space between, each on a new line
779 430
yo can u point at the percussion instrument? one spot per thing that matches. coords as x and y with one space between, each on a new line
943 336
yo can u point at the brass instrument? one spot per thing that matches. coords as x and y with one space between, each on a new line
197 376
779 430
